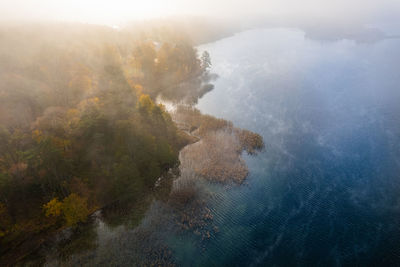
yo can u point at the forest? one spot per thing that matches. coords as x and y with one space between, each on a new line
79 125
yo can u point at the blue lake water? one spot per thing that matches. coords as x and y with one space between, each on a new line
326 191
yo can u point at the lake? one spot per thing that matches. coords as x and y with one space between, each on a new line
326 190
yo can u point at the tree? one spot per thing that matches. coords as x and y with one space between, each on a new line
53 208
146 105
145 55
74 209
205 61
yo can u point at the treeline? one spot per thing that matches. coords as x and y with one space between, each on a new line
79 127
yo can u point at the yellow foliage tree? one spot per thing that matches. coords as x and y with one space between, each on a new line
145 103
53 208
75 209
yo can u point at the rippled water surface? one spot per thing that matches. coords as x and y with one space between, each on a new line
327 189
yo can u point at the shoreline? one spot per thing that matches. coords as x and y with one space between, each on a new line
196 139
42 238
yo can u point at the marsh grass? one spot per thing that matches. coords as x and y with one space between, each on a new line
217 156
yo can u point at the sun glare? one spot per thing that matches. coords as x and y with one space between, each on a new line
91 11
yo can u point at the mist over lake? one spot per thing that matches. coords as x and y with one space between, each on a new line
187 133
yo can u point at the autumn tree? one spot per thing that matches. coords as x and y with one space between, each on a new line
73 209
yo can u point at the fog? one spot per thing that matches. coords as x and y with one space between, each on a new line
120 11
82 137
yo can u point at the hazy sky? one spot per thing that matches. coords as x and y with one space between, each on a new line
116 11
